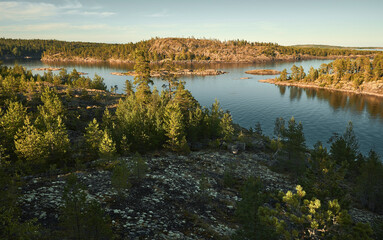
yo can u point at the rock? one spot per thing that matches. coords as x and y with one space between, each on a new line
258 145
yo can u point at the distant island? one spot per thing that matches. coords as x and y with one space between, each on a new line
184 50
263 72
178 72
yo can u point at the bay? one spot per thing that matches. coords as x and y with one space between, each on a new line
321 112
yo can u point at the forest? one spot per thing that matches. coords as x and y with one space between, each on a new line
66 124
361 74
178 49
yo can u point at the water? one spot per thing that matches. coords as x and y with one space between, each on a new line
321 112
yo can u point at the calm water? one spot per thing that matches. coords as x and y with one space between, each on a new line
321 112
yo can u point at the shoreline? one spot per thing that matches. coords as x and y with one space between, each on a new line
181 72
258 59
305 85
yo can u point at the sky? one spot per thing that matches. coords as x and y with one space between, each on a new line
354 23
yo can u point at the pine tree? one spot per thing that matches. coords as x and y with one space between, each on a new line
142 79
57 141
173 126
30 144
82 219
227 128
128 88
93 136
51 109
283 75
294 73
169 76
139 167
120 177
107 147
11 122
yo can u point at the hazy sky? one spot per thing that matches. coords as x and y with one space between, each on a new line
287 22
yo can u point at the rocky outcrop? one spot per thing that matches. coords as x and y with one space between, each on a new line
181 72
263 72
170 203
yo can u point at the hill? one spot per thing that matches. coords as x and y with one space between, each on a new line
178 49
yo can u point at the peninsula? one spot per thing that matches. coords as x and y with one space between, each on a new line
360 76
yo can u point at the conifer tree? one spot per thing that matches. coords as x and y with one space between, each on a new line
227 128
283 75
142 79
93 136
139 167
57 141
11 122
51 109
128 88
174 127
169 76
82 219
294 73
30 144
107 147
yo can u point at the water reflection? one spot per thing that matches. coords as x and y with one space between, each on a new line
356 103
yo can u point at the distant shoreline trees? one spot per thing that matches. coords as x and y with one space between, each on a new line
178 49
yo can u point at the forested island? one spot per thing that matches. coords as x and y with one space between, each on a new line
176 49
361 75
80 162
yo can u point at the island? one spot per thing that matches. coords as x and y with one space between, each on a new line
263 72
178 72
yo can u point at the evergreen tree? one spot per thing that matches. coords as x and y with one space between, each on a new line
30 144
51 109
295 73
301 74
283 75
57 141
227 128
369 187
174 127
11 122
107 147
139 167
252 197
120 176
323 178
82 219
169 76
294 139
142 79
128 88
93 137
344 148
296 217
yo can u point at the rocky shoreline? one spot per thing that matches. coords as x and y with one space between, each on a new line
249 59
263 72
181 72
370 88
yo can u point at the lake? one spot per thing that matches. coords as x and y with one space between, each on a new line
321 112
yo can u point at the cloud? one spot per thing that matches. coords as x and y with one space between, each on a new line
26 10
60 26
19 11
163 13
104 14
